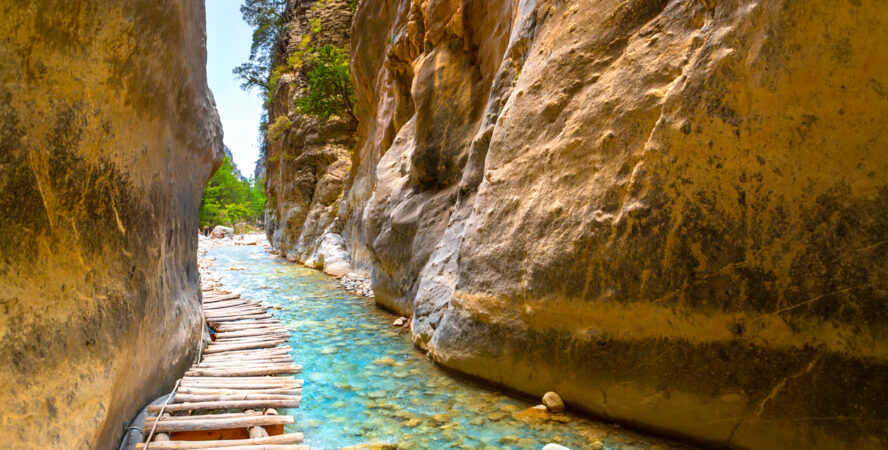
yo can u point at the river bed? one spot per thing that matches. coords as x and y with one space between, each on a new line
365 382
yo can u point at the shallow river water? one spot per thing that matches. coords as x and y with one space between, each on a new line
366 383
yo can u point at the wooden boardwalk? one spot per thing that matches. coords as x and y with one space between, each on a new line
229 399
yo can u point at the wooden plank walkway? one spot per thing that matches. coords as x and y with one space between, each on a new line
246 368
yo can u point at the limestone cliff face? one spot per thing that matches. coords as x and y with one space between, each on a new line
108 133
308 158
670 212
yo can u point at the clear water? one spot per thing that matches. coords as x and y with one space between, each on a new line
366 383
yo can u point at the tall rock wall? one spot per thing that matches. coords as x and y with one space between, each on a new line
670 212
307 157
108 133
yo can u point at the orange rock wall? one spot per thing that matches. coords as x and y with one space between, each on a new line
670 212
108 133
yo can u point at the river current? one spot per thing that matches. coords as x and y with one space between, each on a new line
365 382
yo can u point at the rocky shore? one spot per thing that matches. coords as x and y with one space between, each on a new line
356 283
353 282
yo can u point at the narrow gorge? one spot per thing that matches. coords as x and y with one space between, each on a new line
670 212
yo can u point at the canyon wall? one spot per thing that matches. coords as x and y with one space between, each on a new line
670 212
307 158
108 135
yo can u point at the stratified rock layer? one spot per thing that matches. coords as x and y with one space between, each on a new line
672 213
108 133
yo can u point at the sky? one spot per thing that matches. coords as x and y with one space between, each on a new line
228 45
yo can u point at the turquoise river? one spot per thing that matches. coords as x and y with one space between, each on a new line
365 382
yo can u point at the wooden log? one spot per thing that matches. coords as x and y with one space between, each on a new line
242 386
215 324
219 298
161 437
263 447
241 404
282 439
231 305
244 316
233 309
245 359
247 372
230 311
208 422
252 363
214 416
189 398
234 391
265 350
250 338
237 301
216 382
244 364
227 348
251 334
276 324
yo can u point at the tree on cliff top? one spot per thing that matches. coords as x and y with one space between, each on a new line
266 17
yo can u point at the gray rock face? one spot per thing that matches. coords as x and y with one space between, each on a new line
108 133
308 158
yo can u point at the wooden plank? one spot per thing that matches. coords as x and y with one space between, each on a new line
253 362
251 413
227 348
247 372
289 438
207 422
189 398
219 298
250 340
247 379
240 404
244 316
248 333
242 386
234 310
262 447
233 391
251 326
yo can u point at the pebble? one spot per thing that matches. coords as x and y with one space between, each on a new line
400 322
555 447
553 402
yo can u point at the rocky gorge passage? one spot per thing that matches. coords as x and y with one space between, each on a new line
670 212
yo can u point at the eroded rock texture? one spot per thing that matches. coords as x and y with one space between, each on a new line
108 133
670 212
308 158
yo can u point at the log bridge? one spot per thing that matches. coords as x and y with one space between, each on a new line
230 399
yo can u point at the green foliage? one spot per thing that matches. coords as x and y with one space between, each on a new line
278 127
352 4
315 25
228 200
330 91
267 19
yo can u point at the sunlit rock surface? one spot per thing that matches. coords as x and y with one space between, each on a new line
308 158
108 133
670 213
